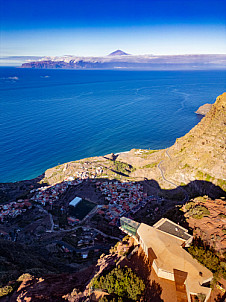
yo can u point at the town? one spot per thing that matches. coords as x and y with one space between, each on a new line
52 210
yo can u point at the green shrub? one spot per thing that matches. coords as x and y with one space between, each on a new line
201 297
205 255
186 166
189 205
122 167
150 166
208 177
222 269
25 277
4 291
122 282
197 211
145 153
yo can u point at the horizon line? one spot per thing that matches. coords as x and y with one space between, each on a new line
145 54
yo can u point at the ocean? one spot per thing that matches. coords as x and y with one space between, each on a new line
49 117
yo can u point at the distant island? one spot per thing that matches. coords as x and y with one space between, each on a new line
122 60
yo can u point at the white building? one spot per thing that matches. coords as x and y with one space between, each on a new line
75 201
163 245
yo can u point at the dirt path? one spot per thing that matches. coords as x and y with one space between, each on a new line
186 196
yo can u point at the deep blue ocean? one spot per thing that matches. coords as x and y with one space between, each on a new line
49 117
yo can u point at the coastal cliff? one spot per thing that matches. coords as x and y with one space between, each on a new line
199 155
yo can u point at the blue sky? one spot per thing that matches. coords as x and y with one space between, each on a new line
98 27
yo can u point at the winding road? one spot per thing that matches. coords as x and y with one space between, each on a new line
186 196
50 217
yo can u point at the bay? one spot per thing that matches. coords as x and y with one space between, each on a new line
48 117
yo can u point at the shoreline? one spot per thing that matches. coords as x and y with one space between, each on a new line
121 152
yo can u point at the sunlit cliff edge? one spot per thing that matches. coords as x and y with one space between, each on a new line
199 155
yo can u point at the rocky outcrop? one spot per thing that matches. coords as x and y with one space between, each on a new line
204 109
52 287
72 287
211 225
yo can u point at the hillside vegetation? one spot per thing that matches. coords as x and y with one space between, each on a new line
122 282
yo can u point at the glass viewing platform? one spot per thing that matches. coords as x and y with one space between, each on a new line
129 226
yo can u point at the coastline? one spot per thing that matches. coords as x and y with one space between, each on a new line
121 152
84 114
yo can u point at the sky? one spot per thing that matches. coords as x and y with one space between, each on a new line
98 27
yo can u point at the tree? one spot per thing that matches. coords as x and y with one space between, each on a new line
122 282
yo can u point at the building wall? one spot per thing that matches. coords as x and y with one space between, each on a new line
165 274
150 254
188 291
155 267
159 272
208 295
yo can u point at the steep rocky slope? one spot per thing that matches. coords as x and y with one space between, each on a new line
200 154
207 218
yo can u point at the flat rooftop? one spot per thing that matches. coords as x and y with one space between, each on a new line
75 201
172 228
170 256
